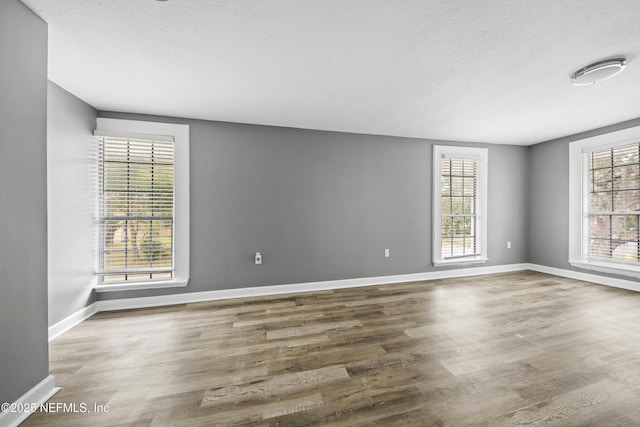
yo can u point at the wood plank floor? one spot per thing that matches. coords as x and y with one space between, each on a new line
520 348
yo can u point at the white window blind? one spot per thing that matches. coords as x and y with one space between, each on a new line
459 205
136 209
613 204
459 208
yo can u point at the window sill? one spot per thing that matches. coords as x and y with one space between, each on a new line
602 267
460 262
116 287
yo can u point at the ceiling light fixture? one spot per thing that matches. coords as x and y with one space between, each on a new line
595 73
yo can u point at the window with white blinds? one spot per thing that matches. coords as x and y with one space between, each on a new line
136 209
604 202
613 207
459 217
459 205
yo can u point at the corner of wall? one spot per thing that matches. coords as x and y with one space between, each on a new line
71 183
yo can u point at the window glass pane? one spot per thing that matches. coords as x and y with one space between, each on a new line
458 246
456 226
115 259
115 176
469 186
468 206
468 226
456 205
627 200
447 226
599 248
600 227
447 247
601 179
601 202
469 245
624 227
625 251
445 205
456 186
625 155
156 242
601 159
626 177
470 168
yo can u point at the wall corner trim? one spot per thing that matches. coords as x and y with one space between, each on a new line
69 322
193 297
587 277
35 397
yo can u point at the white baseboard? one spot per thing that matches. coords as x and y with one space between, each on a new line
185 298
38 395
192 297
587 277
69 322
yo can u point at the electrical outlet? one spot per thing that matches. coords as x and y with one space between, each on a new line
386 253
258 258
509 244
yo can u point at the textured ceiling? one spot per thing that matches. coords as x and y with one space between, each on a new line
485 71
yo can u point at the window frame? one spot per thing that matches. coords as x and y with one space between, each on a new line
467 153
579 201
148 130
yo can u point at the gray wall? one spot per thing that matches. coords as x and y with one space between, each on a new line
323 205
23 196
71 203
548 199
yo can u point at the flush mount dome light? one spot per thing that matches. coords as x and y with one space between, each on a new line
598 72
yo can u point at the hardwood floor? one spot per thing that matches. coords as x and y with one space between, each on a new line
519 348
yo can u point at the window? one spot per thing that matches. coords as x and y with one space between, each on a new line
613 189
460 195
142 204
605 203
136 209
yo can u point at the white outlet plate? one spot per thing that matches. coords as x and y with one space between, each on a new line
386 253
